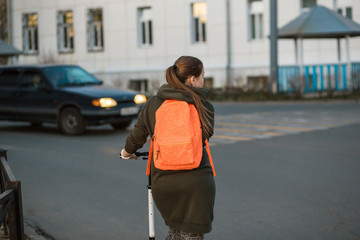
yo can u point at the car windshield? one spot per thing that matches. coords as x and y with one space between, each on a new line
70 76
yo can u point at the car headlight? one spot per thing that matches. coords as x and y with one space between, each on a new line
104 102
139 98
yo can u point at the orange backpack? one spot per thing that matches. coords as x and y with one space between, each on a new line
177 140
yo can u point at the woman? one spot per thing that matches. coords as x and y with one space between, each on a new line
185 198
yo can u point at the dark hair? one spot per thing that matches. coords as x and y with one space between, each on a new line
176 76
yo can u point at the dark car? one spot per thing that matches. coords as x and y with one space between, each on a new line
66 95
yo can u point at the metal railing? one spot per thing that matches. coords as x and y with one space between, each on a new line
11 216
319 78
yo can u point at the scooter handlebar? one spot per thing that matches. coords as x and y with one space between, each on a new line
142 154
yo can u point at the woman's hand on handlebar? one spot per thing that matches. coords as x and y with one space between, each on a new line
125 155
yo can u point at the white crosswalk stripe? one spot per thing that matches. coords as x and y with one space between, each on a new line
247 127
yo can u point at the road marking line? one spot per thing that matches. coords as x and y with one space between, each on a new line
247 127
248 131
298 123
211 144
233 137
297 129
316 121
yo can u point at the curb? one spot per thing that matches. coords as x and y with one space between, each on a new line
31 234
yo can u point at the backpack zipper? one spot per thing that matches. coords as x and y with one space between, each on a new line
157 154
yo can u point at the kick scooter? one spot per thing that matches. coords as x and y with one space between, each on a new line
144 156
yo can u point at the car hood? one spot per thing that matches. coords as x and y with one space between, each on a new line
97 92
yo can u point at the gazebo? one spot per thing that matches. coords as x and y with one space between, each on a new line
319 23
7 50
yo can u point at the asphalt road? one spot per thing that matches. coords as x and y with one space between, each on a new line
295 175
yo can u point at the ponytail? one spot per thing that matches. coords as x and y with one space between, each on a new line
176 77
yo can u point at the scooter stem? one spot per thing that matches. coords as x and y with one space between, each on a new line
151 212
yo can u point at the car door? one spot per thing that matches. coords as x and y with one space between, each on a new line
8 86
35 102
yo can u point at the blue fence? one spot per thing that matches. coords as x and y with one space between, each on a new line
329 77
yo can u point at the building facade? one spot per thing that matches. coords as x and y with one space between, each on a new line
130 43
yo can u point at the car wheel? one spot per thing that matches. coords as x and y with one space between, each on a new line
121 125
71 122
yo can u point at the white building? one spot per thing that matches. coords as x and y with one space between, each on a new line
129 43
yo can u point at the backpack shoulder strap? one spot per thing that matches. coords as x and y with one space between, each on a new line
210 158
149 157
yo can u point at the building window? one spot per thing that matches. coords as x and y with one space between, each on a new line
345 11
256 19
209 83
306 5
139 85
257 83
30 33
145 28
4 22
95 30
198 22
348 12
65 31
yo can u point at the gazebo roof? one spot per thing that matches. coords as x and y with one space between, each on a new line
7 50
320 22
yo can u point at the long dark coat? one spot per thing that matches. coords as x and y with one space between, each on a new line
186 198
